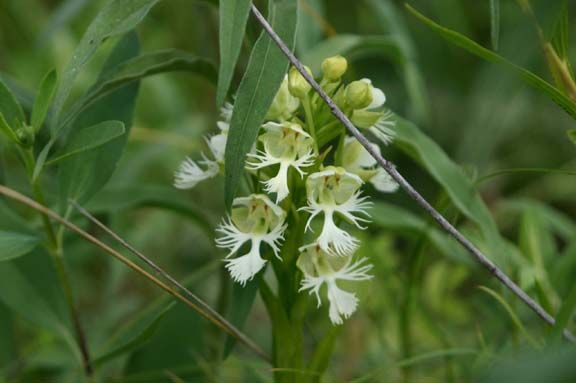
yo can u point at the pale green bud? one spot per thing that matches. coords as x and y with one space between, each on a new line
358 95
334 67
25 136
297 84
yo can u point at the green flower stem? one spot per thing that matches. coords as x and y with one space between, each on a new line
310 120
55 248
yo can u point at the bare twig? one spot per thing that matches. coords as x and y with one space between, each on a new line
406 186
157 269
197 304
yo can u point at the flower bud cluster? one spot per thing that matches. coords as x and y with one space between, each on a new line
308 175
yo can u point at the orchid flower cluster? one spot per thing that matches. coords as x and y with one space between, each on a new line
307 170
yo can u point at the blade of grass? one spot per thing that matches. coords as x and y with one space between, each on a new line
471 46
517 322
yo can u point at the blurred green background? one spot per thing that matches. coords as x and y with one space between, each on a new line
423 317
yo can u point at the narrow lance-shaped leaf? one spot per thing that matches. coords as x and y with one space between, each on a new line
242 301
116 18
495 23
90 138
266 69
89 171
14 245
530 78
139 68
134 336
233 18
43 99
11 114
459 187
394 23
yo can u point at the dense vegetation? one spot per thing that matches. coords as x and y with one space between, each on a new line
101 102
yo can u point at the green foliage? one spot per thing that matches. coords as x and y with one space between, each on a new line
88 139
256 91
43 100
14 245
116 18
135 335
98 134
530 78
87 172
233 18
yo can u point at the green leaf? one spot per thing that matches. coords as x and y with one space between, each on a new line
135 335
393 217
322 355
17 293
89 138
89 171
175 343
137 69
565 314
115 199
233 18
495 23
243 298
572 135
393 22
14 245
116 18
266 69
530 78
510 311
458 186
311 26
43 100
11 114
8 348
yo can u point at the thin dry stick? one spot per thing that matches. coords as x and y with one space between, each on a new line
198 305
157 269
404 184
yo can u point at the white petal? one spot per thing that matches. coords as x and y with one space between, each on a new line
383 182
378 97
342 303
334 240
244 268
279 184
355 205
189 174
384 128
217 146
357 271
313 284
232 238
226 111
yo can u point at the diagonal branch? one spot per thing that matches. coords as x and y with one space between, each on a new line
196 303
482 259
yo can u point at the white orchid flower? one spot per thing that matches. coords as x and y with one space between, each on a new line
321 269
330 192
357 160
190 172
286 145
256 220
